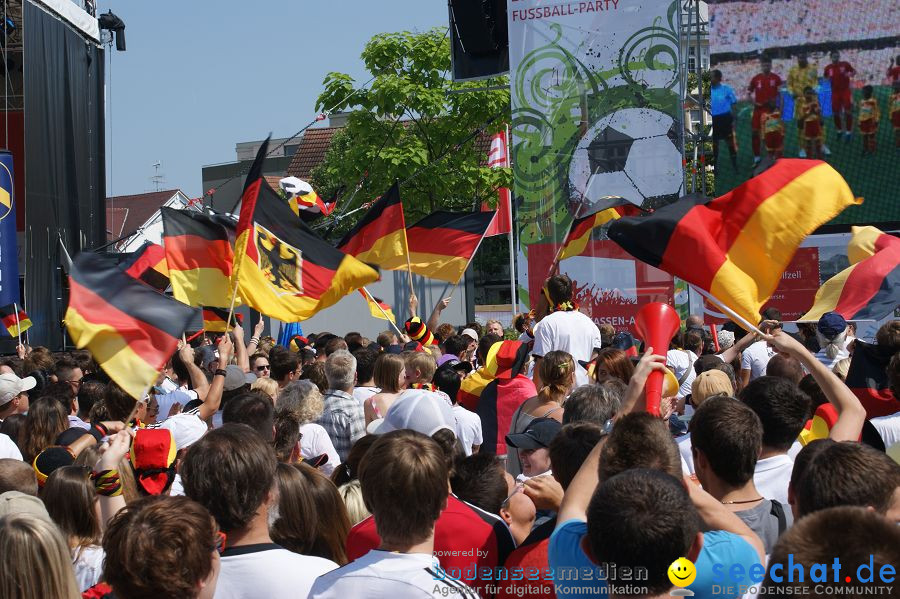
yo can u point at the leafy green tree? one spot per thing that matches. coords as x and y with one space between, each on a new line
694 168
413 124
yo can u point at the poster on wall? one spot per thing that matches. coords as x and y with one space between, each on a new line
596 122
812 79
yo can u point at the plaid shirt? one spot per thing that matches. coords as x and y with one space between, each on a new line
343 420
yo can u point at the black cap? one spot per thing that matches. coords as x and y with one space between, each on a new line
537 435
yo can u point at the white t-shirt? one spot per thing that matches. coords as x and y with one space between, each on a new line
8 448
364 393
88 564
829 363
772 476
167 400
268 570
468 428
681 362
571 332
387 574
755 359
889 428
315 442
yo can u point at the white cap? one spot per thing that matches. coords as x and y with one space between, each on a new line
423 411
470 333
11 385
186 429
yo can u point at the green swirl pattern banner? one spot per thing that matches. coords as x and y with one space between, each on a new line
595 110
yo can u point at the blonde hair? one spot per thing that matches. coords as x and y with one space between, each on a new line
556 368
708 384
351 493
38 564
303 399
423 362
841 368
387 372
267 385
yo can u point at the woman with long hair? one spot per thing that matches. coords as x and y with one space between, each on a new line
390 370
70 500
613 363
36 560
312 519
557 374
46 419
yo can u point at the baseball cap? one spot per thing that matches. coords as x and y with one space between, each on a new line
235 377
11 385
537 435
470 333
416 409
454 363
16 502
831 325
186 429
208 355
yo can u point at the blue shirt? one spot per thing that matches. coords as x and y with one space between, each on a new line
721 99
719 547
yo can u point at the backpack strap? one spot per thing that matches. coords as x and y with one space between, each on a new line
778 511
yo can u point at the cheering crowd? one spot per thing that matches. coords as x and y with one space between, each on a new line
455 460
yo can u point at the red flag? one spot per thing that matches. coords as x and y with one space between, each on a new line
498 157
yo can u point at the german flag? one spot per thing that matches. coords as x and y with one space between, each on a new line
14 319
303 199
379 238
737 246
199 258
581 229
214 319
376 306
870 288
148 264
867 378
282 268
130 329
504 360
442 244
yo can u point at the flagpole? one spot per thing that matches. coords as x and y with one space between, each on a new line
386 317
231 309
18 329
737 317
512 259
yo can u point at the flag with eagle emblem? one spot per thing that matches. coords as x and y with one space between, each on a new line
282 269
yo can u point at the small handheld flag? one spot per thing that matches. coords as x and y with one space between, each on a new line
214 319
14 319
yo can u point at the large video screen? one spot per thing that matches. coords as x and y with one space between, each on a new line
810 79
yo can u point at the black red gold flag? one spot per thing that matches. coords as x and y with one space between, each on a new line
199 257
442 244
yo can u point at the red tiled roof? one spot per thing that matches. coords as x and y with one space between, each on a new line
124 214
272 180
311 151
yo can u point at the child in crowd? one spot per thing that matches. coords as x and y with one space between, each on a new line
773 130
813 130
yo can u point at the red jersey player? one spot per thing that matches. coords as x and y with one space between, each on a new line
894 71
839 72
764 88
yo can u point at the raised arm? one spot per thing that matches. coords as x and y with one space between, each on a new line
254 340
634 400
241 356
198 378
851 414
106 476
434 319
213 398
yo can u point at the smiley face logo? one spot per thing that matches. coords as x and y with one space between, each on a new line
682 572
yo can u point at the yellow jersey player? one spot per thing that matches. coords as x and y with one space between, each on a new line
869 114
811 119
801 76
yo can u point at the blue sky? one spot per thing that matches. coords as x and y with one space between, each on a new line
200 76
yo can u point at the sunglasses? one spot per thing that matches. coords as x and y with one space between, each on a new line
220 542
263 367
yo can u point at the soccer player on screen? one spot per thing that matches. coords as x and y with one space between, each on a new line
811 123
773 130
764 88
869 114
722 105
895 112
894 71
839 72
801 76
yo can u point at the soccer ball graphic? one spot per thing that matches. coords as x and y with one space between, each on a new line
633 153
